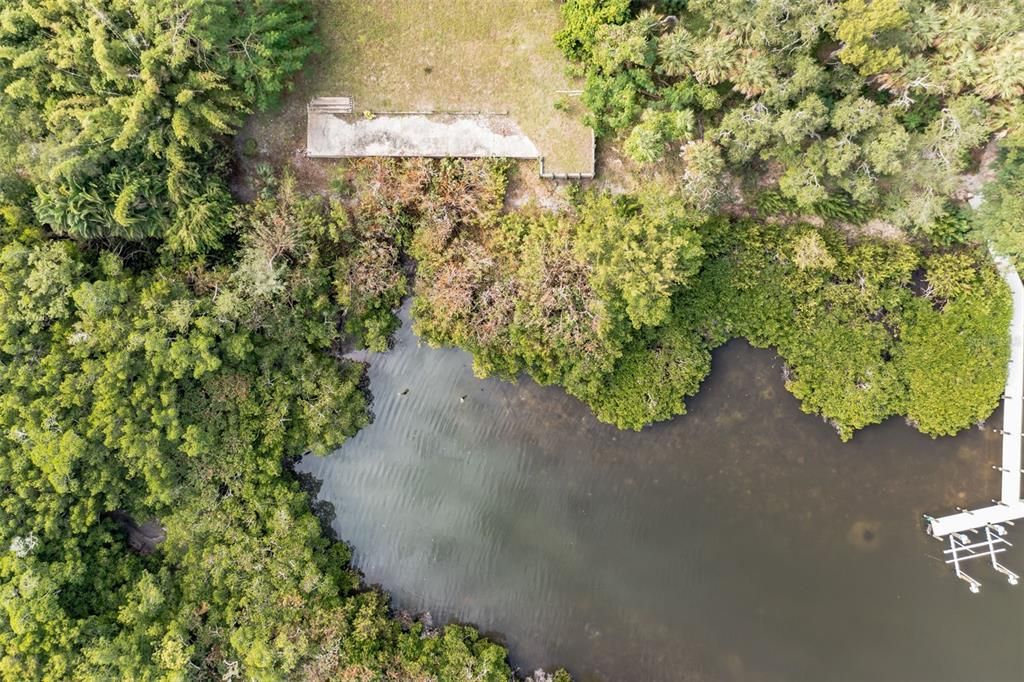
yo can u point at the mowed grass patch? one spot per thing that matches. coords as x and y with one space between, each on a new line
441 55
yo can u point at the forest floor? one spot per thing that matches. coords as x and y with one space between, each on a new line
430 55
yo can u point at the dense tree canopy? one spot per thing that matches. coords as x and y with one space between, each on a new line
555 296
141 381
166 351
115 107
1000 216
869 103
621 301
179 393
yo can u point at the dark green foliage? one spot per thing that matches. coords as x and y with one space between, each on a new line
920 114
162 395
653 378
836 208
569 301
858 343
178 388
952 227
119 107
954 348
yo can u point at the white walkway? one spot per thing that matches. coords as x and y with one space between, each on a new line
1010 506
981 533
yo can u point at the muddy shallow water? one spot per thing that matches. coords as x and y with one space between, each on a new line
742 541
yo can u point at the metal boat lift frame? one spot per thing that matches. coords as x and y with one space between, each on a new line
961 549
1010 507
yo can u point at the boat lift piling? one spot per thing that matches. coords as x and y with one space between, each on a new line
1009 507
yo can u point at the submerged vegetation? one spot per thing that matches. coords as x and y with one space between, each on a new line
166 350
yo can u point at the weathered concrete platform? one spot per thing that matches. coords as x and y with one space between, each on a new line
1010 506
335 135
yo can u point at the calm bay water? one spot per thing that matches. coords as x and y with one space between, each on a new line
742 541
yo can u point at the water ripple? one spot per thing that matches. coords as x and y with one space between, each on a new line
714 547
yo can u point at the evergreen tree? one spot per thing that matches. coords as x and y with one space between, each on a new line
126 103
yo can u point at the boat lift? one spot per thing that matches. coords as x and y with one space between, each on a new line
961 549
981 533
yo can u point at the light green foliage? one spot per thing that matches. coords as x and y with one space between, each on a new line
805 119
889 124
960 128
810 252
623 46
178 393
124 102
866 28
459 654
918 197
649 140
641 254
869 142
953 356
582 20
950 275
702 186
954 48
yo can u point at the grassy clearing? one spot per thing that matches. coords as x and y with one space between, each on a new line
461 55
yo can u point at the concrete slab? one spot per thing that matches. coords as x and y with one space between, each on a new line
332 135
